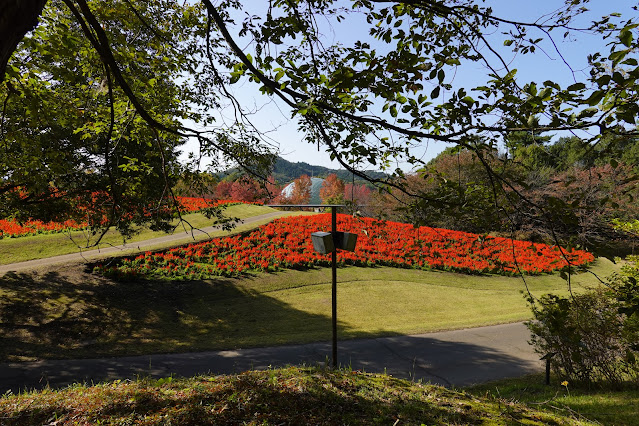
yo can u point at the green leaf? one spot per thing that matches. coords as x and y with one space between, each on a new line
603 80
587 113
617 56
625 36
235 76
576 87
627 115
595 97
435 93
545 93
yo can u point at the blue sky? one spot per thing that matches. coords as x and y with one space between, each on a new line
274 118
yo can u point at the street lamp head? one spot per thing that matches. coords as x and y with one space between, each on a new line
346 241
323 242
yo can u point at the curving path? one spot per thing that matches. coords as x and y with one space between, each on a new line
133 248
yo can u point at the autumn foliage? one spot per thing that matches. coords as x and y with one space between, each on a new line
301 192
332 190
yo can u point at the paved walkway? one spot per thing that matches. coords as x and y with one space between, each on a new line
451 358
132 248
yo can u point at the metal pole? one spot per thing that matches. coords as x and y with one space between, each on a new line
334 282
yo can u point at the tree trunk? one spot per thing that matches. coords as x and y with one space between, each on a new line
17 17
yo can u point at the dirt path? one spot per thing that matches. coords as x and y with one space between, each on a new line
133 248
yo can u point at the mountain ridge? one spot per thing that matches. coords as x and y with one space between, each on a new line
285 171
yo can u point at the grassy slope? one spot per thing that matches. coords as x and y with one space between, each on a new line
286 396
72 314
386 301
609 407
40 246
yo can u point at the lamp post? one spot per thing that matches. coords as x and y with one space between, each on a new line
325 242
334 282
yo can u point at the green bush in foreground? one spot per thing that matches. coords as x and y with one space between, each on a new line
285 396
593 336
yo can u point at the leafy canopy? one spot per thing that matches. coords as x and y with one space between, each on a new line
377 100
78 143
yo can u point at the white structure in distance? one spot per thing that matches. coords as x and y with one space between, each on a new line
316 184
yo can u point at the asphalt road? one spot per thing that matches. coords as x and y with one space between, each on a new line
450 358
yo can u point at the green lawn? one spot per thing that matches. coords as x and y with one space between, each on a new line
40 246
608 407
70 313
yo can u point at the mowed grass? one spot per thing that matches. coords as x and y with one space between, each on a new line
293 395
387 301
608 407
69 313
41 246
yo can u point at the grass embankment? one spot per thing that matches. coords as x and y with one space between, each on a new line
41 246
74 314
283 396
608 407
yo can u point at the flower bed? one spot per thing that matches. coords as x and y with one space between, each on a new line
286 243
11 228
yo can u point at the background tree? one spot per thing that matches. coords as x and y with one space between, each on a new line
359 196
301 192
203 185
73 144
223 190
273 190
250 190
332 190
450 191
603 193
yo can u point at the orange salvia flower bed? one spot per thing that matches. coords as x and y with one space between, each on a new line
286 243
11 229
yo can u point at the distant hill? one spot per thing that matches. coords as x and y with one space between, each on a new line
286 171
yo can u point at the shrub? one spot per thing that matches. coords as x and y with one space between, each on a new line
593 335
627 296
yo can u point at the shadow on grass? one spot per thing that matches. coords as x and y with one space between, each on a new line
69 315
77 315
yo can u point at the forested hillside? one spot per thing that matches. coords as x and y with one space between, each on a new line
285 171
583 188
